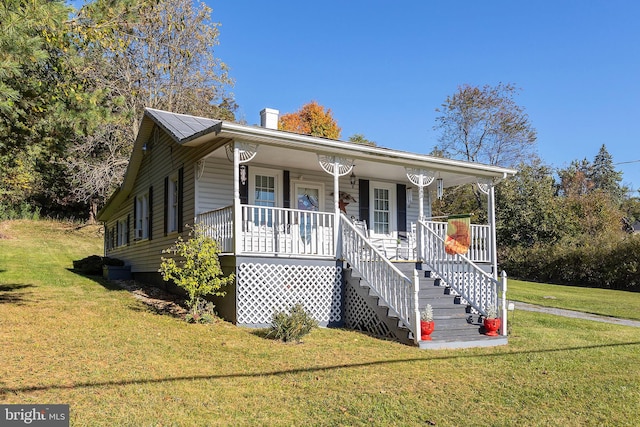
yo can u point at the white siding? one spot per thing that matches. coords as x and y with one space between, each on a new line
215 185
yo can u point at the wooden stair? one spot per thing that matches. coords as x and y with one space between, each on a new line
388 325
455 325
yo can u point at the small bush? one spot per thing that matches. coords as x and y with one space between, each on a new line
291 325
92 265
23 210
203 313
197 270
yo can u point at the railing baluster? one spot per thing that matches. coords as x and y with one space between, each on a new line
269 230
459 272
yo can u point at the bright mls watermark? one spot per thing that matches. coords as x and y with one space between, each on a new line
34 415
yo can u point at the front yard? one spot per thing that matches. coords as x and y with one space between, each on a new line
77 340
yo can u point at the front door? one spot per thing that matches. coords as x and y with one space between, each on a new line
309 198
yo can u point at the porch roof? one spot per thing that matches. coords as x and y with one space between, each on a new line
276 145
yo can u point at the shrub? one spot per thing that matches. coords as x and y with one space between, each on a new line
291 325
606 261
197 271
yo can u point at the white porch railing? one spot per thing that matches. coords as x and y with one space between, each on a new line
479 251
476 287
218 224
388 283
273 231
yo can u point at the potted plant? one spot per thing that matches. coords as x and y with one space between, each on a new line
492 322
426 323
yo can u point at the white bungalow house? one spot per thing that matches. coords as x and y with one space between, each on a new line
344 229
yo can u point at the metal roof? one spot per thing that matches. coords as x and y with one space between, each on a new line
182 127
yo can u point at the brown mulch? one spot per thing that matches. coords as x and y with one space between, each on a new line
159 300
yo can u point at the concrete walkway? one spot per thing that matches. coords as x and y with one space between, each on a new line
575 314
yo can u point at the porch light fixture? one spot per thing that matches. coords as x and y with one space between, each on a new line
352 178
439 188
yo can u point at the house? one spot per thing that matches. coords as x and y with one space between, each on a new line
344 229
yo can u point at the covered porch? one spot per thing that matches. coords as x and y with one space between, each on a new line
281 232
287 200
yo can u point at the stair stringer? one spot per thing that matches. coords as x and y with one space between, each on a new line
368 313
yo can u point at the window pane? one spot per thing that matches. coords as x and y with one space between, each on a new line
381 211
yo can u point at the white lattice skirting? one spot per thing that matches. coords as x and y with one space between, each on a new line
264 288
359 316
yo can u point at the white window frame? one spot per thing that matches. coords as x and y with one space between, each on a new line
276 174
172 204
391 188
123 230
142 216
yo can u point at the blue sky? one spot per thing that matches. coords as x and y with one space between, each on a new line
383 67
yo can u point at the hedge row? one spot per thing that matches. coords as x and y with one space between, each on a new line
605 262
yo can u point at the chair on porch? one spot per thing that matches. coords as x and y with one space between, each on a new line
407 244
379 244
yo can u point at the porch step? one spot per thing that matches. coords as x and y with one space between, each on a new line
455 325
379 307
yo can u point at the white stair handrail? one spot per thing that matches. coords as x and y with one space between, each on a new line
478 288
388 283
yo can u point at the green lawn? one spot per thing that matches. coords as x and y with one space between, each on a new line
70 339
597 301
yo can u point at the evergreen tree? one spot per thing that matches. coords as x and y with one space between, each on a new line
605 177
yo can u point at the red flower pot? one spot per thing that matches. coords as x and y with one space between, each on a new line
425 330
491 326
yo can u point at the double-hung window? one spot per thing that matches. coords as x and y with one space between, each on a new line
123 232
382 206
172 204
142 216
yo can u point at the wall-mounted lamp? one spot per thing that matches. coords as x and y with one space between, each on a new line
439 188
144 148
352 178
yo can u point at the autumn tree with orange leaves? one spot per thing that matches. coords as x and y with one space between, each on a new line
311 119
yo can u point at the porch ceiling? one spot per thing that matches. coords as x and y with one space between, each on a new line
380 169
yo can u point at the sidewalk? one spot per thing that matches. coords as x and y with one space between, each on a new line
575 314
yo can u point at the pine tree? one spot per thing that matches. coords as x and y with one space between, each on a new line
604 176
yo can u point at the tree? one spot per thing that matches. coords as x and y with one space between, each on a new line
485 125
311 119
358 138
528 211
154 53
575 180
605 177
43 101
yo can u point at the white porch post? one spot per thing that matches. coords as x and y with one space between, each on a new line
336 208
337 167
416 306
421 178
421 202
503 282
238 152
492 228
237 207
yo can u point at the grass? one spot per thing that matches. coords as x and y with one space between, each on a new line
72 339
605 302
